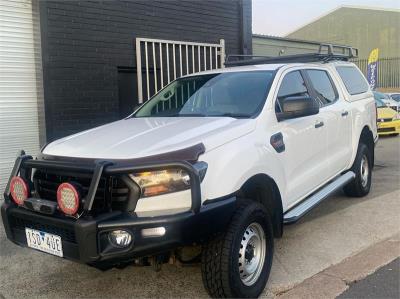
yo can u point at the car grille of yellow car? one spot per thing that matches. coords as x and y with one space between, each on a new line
384 120
386 130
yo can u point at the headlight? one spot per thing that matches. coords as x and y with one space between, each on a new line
159 182
164 181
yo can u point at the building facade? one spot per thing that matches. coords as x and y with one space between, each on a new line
362 28
89 51
366 29
267 45
68 66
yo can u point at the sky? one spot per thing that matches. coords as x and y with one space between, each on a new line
280 17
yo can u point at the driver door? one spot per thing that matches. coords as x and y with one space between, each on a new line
305 143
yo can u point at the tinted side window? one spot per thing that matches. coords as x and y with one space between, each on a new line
292 85
322 84
352 79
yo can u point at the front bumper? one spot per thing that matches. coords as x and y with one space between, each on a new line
389 128
84 240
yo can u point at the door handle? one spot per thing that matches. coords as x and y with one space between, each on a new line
345 113
319 124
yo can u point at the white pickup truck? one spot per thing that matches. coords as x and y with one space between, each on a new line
220 160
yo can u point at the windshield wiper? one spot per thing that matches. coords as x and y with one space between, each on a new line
234 115
187 114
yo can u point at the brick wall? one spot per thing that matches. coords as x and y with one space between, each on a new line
84 43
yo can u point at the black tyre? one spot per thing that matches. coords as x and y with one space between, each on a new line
237 263
362 167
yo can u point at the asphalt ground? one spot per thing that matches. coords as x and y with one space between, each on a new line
335 230
384 283
335 280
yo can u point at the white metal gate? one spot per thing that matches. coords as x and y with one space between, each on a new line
166 60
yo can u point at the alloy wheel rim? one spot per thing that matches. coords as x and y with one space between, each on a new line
252 254
364 171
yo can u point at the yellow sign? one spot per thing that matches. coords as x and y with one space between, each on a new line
373 56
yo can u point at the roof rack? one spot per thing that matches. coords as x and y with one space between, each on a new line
326 53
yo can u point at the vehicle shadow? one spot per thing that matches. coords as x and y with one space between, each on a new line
28 273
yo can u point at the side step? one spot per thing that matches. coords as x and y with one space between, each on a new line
309 203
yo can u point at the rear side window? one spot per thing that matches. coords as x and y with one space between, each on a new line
352 79
322 84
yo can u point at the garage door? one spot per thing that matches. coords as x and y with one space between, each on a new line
20 82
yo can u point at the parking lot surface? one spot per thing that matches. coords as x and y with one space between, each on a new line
338 228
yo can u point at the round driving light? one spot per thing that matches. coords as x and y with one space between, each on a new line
68 198
120 238
19 190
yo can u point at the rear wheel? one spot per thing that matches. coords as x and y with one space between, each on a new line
362 167
237 263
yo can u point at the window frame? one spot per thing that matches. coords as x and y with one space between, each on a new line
314 92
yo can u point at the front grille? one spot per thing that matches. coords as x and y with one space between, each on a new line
21 223
110 189
384 120
385 130
46 184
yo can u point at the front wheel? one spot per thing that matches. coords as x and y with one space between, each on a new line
237 263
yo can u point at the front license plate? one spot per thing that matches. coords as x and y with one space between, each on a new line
44 241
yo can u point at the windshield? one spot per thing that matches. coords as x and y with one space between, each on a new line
234 94
379 103
380 96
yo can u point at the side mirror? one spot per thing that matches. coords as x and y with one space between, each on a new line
298 106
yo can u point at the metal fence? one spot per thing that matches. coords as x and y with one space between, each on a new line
388 71
161 61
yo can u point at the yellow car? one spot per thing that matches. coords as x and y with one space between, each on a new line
388 120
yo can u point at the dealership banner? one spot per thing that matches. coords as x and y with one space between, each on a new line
372 72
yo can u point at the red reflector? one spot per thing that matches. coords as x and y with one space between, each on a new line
68 198
19 190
